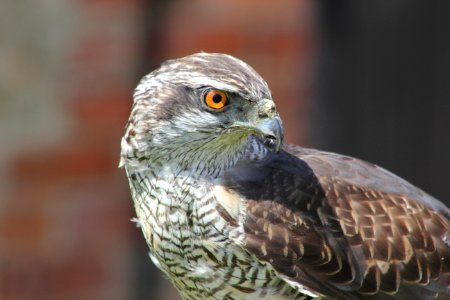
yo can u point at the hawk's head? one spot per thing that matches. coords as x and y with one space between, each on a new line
201 110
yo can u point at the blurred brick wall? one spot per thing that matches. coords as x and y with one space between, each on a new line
64 219
68 71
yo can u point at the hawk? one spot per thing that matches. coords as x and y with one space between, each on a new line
231 212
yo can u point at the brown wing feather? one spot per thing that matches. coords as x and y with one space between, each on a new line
343 227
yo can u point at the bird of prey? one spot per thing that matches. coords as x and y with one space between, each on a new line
229 211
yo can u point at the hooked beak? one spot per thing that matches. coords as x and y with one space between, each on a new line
271 132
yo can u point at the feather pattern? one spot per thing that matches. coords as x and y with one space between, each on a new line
342 226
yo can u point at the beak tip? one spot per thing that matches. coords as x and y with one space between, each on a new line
272 133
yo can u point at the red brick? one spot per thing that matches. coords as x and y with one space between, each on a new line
209 41
21 230
80 159
110 3
103 51
104 109
33 279
80 272
23 279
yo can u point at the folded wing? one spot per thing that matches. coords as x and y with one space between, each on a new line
340 226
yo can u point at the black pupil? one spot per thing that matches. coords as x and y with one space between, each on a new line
217 98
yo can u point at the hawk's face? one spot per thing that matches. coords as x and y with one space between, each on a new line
203 109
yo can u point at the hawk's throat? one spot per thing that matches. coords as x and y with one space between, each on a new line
206 157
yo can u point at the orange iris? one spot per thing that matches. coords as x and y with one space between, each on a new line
216 99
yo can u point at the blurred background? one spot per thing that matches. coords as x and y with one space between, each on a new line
366 78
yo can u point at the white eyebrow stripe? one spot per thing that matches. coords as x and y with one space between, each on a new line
208 81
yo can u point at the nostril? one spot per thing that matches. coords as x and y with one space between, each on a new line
270 141
263 115
270 137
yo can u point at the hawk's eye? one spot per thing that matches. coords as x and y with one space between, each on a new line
216 99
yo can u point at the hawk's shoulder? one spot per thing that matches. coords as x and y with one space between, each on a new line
348 171
341 226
